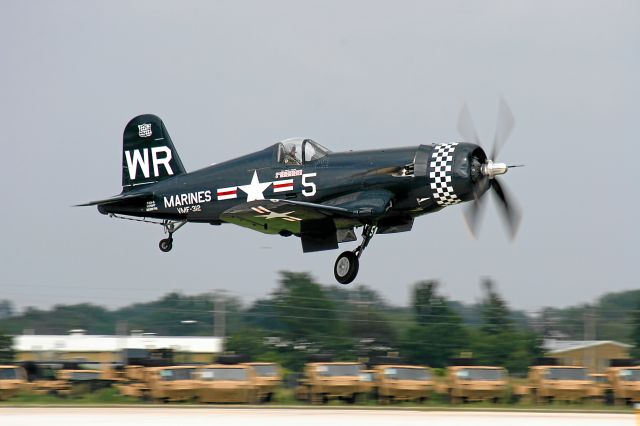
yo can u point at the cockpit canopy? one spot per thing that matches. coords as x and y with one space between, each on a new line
298 151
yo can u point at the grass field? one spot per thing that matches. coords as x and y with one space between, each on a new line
285 397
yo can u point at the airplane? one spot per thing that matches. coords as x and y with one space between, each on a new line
298 187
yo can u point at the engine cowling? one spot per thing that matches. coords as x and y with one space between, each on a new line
453 169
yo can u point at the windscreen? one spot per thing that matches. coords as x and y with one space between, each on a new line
177 374
224 374
630 375
266 370
490 374
84 375
366 377
313 150
407 373
339 370
9 374
567 374
600 379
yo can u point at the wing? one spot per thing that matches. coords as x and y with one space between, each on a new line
321 226
275 216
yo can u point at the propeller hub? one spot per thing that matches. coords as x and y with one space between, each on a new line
491 169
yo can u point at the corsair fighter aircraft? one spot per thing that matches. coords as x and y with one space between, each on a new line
298 187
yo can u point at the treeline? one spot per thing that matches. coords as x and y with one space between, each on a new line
302 316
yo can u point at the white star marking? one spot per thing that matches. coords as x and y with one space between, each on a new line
255 189
274 215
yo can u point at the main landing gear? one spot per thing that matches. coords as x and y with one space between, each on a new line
166 244
347 264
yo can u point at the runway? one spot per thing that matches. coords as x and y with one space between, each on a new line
153 416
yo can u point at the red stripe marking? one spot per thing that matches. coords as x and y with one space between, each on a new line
220 194
282 185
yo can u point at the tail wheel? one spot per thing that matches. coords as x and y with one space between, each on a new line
166 244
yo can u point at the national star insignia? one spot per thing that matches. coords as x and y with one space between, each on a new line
255 189
275 215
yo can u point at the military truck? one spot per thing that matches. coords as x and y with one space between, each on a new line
624 380
135 378
548 383
135 382
403 383
323 381
65 378
268 377
368 382
468 382
13 379
43 378
601 386
76 382
175 383
220 383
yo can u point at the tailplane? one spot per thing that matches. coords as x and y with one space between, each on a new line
148 155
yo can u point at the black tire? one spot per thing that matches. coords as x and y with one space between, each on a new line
353 398
346 267
166 244
609 398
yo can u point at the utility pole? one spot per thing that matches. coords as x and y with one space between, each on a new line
589 334
219 316
121 332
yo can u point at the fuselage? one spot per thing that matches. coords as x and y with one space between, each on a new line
423 179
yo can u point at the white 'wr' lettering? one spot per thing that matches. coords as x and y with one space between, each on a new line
164 161
137 160
140 158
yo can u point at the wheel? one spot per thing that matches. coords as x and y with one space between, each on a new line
608 397
346 267
352 399
166 244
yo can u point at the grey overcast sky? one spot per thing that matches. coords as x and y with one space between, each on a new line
231 77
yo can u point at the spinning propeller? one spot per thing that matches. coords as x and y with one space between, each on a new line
484 174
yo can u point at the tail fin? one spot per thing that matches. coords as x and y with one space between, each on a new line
148 154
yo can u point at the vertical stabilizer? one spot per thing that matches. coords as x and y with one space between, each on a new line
148 155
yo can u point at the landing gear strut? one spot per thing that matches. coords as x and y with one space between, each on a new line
166 244
347 264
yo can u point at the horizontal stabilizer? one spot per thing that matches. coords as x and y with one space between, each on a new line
117 199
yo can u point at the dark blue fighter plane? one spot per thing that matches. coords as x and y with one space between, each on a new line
298 187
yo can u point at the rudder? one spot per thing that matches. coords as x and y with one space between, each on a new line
148 154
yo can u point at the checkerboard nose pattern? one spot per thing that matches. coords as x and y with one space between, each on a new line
441 165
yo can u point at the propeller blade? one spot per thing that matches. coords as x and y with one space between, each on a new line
466 127
504 126
472 215
509 209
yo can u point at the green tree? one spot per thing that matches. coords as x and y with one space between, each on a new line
247 341
7 353
424 301
438 333
635 328
497 342
367 323
495 314
303 309
6 309
262 313
512 349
